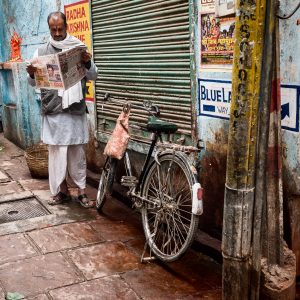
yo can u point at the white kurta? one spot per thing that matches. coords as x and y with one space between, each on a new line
64 129
66 135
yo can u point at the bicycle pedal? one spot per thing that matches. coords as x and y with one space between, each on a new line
128 181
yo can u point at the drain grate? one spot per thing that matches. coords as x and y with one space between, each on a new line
21 210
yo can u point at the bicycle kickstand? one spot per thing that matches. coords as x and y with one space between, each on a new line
148 258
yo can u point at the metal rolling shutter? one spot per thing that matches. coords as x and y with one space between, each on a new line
142 50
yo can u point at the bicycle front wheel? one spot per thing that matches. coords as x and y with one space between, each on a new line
106 182
168 222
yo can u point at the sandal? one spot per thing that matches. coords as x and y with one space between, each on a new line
60 198
84 201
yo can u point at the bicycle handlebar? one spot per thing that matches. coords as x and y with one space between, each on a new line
147 105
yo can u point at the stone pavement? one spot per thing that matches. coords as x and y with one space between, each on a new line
74 253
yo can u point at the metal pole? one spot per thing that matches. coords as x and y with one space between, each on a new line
263 137
240 176
274 168
279 284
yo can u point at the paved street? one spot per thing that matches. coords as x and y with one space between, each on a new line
69 252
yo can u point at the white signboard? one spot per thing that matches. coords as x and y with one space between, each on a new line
207 6
215 98
290 107
225 7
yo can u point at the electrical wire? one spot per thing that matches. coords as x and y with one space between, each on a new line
290 15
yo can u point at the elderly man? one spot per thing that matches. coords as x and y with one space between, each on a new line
64 120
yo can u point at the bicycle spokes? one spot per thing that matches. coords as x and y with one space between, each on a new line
170 224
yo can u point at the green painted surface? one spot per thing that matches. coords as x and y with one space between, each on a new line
145 51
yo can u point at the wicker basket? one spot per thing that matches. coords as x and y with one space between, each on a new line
37 160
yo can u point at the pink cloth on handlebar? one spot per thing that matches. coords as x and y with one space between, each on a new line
118 141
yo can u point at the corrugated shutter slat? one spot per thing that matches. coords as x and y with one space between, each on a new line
142 49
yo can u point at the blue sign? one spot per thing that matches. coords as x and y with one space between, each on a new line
290 107
215 98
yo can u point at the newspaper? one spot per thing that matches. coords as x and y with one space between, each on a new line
59 71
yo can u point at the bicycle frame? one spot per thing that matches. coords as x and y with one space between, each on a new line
154 139
166 191
135 192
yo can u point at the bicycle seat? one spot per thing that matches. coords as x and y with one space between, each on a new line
157 125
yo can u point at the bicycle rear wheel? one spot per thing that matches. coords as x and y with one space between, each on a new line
169 224
106 182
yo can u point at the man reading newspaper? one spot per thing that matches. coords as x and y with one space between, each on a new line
64 122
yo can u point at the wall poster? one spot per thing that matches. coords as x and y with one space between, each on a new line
79 25
216 32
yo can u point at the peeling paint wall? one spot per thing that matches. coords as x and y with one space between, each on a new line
214 133
29 20
1 55
290 74
21 118
214 130
1 31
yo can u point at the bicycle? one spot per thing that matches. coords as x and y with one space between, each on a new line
167 191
